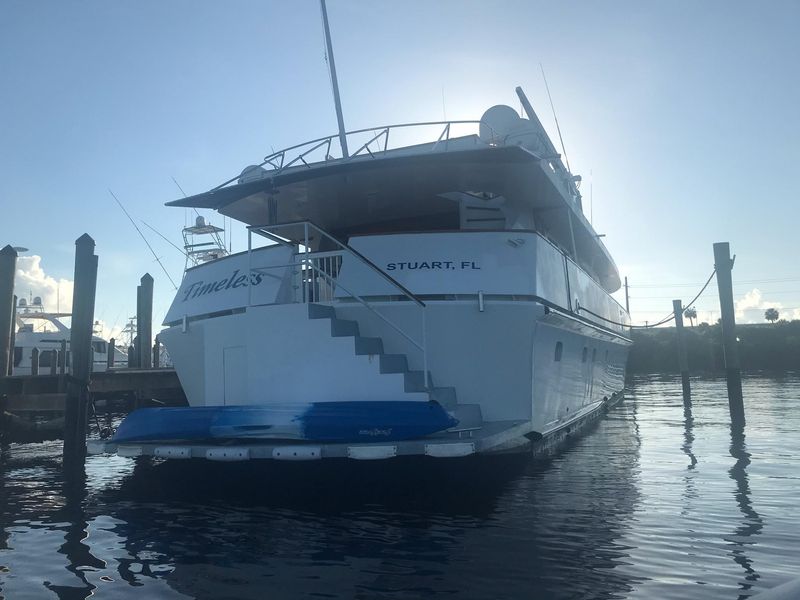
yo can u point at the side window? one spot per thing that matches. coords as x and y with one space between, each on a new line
559 351
585 354
606 356
594 354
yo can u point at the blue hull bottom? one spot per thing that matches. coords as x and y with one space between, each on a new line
332 422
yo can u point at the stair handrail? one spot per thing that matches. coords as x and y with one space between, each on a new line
346 247
263 230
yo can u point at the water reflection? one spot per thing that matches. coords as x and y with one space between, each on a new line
638 508
751 524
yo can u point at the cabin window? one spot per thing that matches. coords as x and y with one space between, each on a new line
99 347
17 356
559 351
585 354
44 358
594 354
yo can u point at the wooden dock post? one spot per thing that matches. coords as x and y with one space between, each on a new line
53 361
8 267
723 265
144 321
12 343
157 353
112 344
62 358
683 361
75 412
131 356
34 361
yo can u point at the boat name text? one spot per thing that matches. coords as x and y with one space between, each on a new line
201 288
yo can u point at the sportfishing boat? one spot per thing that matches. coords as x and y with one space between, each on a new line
442 298
44 331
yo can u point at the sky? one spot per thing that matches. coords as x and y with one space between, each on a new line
680 116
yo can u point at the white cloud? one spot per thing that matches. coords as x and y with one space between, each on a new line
31 280
750 308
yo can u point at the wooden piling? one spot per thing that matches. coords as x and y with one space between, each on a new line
110 356
34 361
156 353
13 341
62 358
683 361
723 265
8 267
131 356
53 361
144 320
75 413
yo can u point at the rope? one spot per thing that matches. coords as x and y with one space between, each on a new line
666 319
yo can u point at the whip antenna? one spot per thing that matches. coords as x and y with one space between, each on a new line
139 231
555 117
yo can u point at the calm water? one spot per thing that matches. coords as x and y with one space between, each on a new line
656 502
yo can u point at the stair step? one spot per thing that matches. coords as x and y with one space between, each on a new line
394 363
446 396
415 381
369 345
319 311
343 328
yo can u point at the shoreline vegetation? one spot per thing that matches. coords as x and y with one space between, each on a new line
762 347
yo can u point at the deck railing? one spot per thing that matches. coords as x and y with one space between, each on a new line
375 146
316 276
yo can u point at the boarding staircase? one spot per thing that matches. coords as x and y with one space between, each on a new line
469 415
414 381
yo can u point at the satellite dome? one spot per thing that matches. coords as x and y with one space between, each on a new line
497 123
252 173
199 221
37 301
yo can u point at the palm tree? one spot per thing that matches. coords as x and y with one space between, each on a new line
771 315
691 314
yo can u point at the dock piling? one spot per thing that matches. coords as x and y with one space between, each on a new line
62 358
53 361
683 361
110 356
131 356
13 341
156 353
34 361
723 265
144 321
8 267
83 297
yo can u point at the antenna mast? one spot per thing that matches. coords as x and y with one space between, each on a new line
334 81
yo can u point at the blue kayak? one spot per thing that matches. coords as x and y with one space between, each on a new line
376 421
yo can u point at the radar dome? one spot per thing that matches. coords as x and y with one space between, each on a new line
497 123
37 301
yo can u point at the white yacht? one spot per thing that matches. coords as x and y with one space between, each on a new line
442 298
43 330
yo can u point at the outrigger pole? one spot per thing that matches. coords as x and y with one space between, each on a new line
334 81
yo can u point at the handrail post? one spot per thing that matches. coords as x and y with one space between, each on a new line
249 267
306 276
425 347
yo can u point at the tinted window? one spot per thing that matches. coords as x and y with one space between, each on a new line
559 350
585 354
